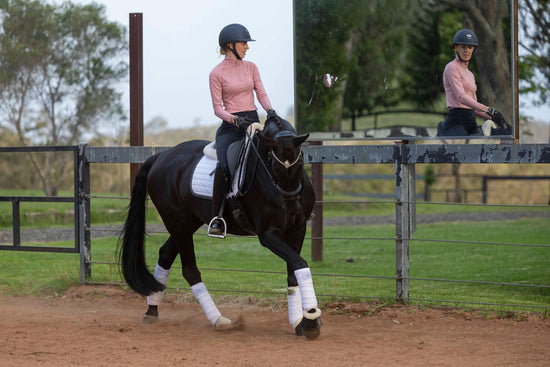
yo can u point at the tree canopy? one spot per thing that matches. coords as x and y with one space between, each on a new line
59 65
381 53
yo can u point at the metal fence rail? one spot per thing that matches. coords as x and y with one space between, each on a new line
17 200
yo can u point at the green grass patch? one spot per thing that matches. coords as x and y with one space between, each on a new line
350 269
107 210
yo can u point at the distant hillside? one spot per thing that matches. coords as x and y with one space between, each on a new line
170 137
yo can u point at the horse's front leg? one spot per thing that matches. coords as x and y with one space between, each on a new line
306 319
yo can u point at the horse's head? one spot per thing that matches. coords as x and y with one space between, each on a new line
287 163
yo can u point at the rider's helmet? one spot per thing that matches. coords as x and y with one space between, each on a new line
234 33
465 37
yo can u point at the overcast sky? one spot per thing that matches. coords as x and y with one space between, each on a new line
180 48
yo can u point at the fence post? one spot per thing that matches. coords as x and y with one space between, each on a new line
317 221
136 88
405 219
83 214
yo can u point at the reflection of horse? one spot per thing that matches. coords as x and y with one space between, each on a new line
275 205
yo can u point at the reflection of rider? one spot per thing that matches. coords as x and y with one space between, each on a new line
460 91
232 86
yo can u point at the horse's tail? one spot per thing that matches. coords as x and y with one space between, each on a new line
132 253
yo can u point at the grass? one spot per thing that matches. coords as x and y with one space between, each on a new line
24 273
107 210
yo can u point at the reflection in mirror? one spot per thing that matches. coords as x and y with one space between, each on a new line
375 67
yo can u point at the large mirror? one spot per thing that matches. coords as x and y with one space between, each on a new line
374 69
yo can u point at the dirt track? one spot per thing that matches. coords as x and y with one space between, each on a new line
101 326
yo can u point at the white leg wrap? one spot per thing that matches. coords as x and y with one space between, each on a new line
161 275
305 282
201 294
295 311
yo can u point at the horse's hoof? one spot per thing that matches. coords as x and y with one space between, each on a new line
311 324
149 319
223 323
297 326
152 315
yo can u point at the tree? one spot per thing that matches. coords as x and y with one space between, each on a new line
58 65
534 22
322 58
422 82
345 53
377 44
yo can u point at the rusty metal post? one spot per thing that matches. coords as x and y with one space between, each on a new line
136 87
317 222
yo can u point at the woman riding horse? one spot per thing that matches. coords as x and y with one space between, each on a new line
232 86
277 203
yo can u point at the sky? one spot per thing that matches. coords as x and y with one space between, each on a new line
180 48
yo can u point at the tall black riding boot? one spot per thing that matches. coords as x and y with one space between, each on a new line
217 227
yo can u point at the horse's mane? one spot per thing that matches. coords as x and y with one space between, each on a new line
279 125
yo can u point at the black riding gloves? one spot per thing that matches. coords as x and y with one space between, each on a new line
497 117
271 114
243 123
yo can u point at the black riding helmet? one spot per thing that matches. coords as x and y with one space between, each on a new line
465 37
233 33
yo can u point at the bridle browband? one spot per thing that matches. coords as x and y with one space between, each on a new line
285 163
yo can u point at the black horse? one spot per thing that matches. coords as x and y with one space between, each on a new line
275 202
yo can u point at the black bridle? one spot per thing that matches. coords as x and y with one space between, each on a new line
286 195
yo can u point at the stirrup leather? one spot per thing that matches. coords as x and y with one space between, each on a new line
224 228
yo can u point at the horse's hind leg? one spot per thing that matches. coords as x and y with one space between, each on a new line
167 255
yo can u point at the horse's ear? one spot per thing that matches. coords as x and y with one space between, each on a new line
300 139
268 142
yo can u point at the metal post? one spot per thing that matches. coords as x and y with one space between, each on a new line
16 217
317 222
83 214
136 87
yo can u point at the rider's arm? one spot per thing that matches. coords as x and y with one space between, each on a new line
259 89
464 95
216 94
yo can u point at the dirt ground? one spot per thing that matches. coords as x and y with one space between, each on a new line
101 326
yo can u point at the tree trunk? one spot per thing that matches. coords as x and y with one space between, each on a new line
458 189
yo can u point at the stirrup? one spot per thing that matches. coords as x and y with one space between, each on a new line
224 228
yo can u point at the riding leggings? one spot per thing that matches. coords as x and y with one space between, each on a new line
228 133
460 122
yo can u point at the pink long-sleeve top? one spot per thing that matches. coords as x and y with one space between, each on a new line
460 88
232 86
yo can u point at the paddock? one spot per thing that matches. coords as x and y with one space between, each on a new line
101 326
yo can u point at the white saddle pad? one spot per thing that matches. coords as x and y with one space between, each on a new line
202 182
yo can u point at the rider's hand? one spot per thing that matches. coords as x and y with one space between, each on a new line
491 111
243 123
271 113
499 119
